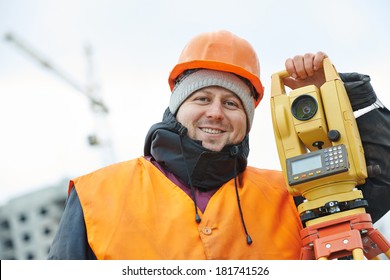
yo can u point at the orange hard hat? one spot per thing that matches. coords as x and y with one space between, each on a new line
223 51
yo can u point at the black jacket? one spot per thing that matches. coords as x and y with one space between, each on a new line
374 128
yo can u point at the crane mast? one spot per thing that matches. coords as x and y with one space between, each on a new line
101 138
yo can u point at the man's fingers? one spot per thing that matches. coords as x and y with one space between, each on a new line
318 60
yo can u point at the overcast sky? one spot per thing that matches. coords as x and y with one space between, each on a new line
45 122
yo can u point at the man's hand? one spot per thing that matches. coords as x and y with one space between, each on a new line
305 70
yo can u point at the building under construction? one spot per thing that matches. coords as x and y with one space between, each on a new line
28 223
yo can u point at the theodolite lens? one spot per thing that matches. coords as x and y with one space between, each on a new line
304 107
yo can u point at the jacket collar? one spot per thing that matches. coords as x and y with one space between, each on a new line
169 145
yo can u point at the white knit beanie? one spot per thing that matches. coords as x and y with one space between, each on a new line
204 78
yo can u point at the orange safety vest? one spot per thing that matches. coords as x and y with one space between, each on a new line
132 211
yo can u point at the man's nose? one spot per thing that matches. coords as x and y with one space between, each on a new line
215 110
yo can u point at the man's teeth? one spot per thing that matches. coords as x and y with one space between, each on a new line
212 131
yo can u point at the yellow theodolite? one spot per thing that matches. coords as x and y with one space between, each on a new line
322 158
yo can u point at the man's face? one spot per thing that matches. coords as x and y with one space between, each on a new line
215 116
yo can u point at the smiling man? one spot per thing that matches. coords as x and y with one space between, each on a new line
192 195
214 115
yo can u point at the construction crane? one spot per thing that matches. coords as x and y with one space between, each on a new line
101 138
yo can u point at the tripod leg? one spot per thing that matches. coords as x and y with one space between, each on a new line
357 254
380 242
388 254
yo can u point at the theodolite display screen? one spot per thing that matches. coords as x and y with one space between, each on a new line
317 164
304 164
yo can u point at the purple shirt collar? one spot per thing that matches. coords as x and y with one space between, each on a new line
202 197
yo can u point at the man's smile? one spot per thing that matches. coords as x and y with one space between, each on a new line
211 130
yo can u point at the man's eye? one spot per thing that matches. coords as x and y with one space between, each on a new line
202 99
231 104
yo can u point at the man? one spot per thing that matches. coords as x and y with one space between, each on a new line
192 195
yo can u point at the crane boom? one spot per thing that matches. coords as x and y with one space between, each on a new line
100 110
50 66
